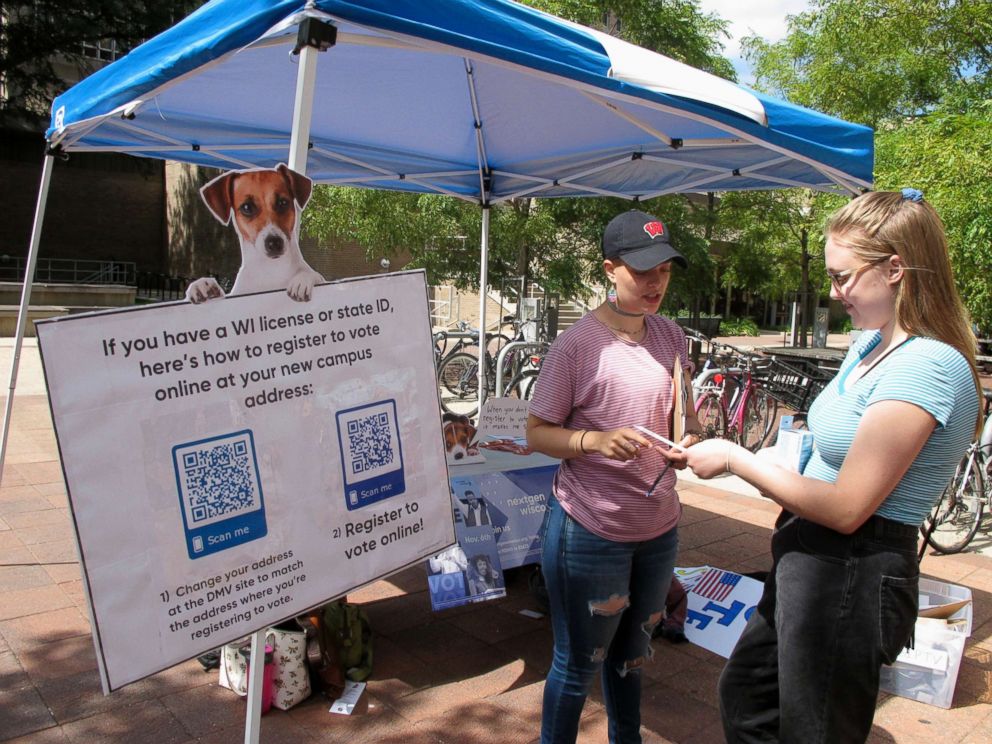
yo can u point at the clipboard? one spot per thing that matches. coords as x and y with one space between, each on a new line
680 398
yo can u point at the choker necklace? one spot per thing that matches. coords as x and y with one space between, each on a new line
616 308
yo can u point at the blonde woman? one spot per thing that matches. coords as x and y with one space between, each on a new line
841 598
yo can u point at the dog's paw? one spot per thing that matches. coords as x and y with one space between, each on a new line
301 286
203 289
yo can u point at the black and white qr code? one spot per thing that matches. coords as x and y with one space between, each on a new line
217 477
370 442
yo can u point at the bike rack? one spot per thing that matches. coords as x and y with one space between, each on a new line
512 346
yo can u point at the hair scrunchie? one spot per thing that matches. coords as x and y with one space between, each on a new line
913 195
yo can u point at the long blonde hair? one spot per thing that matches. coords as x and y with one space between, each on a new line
880 224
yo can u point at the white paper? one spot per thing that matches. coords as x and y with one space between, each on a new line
346 703
663 440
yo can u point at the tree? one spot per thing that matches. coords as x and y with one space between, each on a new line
777 237
946 155
37 36
875 61
920 73
555 242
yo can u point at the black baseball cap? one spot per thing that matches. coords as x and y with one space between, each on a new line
640 241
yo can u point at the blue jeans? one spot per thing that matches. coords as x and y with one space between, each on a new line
606 599
834 609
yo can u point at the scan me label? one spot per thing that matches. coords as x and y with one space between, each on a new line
220 492
371 454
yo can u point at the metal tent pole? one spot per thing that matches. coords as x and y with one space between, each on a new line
313 37
22 315
483 284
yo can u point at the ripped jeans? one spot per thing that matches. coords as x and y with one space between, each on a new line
606 598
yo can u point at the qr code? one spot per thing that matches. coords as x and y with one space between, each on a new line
217 478
370 441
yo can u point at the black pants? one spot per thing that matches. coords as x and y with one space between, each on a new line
834 609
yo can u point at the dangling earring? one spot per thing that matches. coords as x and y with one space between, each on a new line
611 295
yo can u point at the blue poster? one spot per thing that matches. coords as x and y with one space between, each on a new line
467 572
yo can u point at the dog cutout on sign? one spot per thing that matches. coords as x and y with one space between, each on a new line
264 205
461 445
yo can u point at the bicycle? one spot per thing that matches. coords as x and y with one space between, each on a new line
730 402
522 384
458 371
955 519
467 340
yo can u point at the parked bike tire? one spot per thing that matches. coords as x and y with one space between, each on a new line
522 386
712 417
458 383
759 416
954 521
495 343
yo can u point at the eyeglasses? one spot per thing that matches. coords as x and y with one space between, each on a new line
840 278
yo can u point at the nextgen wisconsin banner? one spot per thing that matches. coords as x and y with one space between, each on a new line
234 463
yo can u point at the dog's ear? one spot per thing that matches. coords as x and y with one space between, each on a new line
300 185
218 195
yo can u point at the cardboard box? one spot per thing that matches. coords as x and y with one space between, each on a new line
793 446
928 672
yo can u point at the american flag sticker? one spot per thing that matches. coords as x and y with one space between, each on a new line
716 584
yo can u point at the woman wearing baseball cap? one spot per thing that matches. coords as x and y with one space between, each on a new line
610 532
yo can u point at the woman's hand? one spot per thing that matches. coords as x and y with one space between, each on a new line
619 444
711 457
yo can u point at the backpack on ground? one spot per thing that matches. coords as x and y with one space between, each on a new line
344 637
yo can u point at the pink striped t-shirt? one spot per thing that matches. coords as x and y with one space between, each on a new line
593 380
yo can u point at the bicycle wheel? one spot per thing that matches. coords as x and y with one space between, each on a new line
495 343
953 522
458 382
712 418
522 386
759 415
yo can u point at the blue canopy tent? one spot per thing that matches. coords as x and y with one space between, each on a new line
482 100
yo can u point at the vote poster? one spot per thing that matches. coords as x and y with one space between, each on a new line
719 605
511 502
233 463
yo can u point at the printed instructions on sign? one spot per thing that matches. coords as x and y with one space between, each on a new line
264 359
234 463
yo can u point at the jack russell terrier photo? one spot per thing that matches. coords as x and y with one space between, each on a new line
264 205
459 437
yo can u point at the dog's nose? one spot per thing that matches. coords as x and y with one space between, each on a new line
273 246
459 455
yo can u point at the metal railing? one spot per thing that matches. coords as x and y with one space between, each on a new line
161 287
70 271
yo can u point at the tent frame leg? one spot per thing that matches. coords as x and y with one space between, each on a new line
22 314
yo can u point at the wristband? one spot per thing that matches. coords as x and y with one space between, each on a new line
582 447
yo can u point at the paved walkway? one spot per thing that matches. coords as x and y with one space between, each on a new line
470 675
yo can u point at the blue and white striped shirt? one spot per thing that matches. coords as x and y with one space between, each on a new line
923 371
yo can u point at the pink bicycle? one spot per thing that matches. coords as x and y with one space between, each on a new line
730 403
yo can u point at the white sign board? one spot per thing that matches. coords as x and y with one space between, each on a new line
234 463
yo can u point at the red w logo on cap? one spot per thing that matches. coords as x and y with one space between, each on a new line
654 229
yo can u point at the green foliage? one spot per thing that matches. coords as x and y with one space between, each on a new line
739 327
875 61
918 71
37 34
946 155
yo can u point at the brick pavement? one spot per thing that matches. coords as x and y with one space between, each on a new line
465 676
